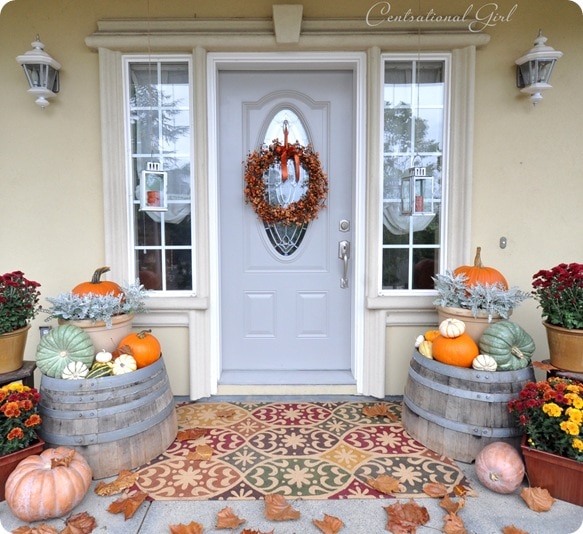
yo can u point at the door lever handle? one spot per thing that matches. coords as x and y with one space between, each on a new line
344 255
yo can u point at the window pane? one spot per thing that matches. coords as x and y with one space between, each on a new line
414 107
161 136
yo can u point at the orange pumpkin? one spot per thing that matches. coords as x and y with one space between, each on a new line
143 346
459 351
430 335
48 485
499 467
478 274
98 286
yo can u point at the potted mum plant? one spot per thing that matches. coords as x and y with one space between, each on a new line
559 293
477 295
18 422
550 414
105 312
19 299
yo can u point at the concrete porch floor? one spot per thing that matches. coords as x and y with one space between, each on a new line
488 513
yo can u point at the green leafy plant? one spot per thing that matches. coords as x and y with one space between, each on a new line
490 298
19 299
73 307
559 292
550 413
18 417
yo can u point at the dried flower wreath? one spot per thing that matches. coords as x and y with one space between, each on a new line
307 207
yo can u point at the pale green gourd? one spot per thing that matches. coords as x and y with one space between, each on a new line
61 346
509 344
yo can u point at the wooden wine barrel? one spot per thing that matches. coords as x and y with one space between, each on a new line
115 422
456 411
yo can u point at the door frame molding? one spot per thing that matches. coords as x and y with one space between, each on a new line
354 61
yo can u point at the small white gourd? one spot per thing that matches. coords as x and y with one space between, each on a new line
124 363
484 362
103 356
420 339
75 371
452 327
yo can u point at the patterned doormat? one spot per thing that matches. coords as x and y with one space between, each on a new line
320 450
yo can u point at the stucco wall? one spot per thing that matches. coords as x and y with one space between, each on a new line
527 161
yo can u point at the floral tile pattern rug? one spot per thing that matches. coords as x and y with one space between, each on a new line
320 450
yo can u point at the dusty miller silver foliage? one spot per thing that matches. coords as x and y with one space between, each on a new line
491 298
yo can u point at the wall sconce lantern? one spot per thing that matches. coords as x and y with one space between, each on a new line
417 191
533 70
42 73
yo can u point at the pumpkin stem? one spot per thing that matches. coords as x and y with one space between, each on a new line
96 278
478 259
515 351
143 333
63 460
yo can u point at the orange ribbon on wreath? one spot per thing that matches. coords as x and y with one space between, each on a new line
285 152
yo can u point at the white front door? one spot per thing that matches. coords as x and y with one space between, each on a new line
286 315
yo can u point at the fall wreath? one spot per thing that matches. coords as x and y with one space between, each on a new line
307 207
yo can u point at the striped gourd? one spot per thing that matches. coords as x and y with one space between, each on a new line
61 346
98 370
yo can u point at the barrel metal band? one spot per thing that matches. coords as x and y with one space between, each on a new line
474 430
456 392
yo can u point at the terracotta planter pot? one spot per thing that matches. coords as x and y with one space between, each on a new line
12 347
105 338
475 326
8 462
565 347
562 477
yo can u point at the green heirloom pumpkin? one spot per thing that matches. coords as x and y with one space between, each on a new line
509 344
61 346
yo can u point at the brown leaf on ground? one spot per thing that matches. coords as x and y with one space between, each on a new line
226 518
451 506
81 523
191 433
435 489
453 525
38 529
125 479
127 505
385 484
460 490
191 528
537 499
278 509
379 410
202 452
329 525
405 518
249 531
513 530
226 413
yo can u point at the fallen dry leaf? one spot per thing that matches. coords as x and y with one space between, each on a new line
226 518
127 505
329 525
226 413
513 530
405 518
278 509
248 531
379 410
38 529
125 479
460 490
191 433
544 366
537 499
451 506
191 528
385 484
81 523
435 489
453 525
202 452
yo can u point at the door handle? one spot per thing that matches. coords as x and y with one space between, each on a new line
344 255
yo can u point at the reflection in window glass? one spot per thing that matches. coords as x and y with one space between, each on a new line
413 136
160 133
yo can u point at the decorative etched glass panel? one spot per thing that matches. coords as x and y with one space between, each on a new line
286 239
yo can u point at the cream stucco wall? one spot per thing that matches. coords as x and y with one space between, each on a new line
527 182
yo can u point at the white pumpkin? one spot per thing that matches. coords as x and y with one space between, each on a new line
75 371
124 363
103 356
484 362
452 327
